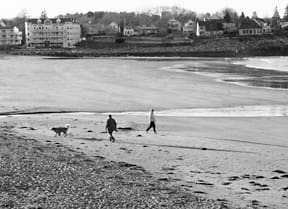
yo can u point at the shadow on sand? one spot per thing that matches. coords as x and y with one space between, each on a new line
186 147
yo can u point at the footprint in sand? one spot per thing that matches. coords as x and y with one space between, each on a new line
195 172
255 202
199 192
284 176
233 178
262 189
245 176
99 157
258 184
279 171
275 177
257 177
222 200
285 188
164 179
203 182
168 169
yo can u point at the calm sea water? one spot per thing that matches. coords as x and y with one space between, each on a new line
131 85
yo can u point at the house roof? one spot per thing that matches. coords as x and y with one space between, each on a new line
53 20
144 27
211 25
190 22
173 21
249 24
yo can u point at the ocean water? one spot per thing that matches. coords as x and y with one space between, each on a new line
172 86
268 63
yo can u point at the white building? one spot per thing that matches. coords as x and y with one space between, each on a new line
114 27
190 27
10 36
128 31
174 25
56 32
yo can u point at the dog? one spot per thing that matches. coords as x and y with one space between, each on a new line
59 130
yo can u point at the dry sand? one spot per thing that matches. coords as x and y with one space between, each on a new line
239 160
36 175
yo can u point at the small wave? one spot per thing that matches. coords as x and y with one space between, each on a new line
239 111
270 63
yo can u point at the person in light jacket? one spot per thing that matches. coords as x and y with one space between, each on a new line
152 121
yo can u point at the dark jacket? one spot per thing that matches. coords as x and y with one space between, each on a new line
111 125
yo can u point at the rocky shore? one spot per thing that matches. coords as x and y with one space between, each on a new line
35 175
200 47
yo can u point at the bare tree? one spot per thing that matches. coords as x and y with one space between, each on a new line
44 15
275 23
285 17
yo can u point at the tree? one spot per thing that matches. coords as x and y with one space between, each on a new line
44 15
285 17
90 14
227 17
275 23
254 15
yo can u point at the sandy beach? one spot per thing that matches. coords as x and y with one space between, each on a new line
229 163
37 175
237 157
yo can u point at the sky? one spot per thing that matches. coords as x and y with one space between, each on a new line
264 8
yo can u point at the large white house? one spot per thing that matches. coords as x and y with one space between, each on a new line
128 31
56 32
10 36
190 27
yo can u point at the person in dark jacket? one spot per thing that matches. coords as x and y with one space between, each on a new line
111 126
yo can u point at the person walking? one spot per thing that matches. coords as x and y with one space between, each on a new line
152 121
111 126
